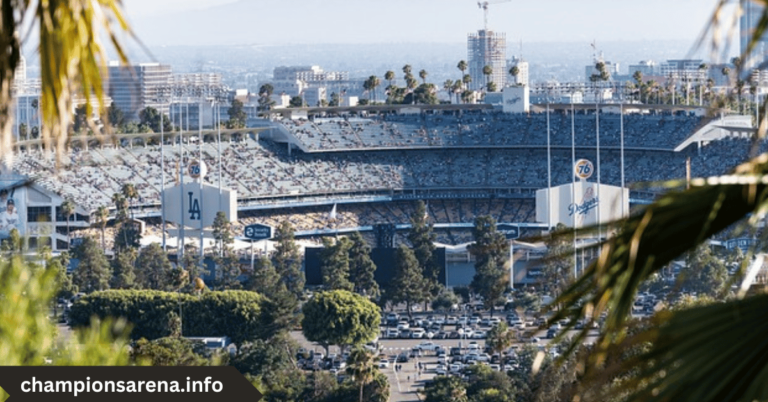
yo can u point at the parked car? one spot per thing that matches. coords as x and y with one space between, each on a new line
426 345
495 367
479 335
486 322
405 334
392 333
383 363
402 358
495 321
451 320
403 324
418 333
441 369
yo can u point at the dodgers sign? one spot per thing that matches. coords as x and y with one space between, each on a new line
258 232
511 232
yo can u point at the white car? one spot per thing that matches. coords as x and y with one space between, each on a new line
383 363
427 346
509 367
441 369
393 333
418 333
451 320
474 320
403 325
463 320
473 346
495 367
455 368
486 322
439 321
495 321
479 335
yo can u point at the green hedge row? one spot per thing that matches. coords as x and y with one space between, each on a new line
237 314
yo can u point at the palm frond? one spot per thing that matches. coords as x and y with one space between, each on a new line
715 353
677 222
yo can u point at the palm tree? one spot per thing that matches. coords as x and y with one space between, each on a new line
129 192
457 88
514 71
389 76
448 86
375 82
466 80
361 366
407 69
70 61
102 217
487 71
67 209
462 66
423 75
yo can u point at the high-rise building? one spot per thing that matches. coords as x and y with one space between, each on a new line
133 88
20 74
522 75
646 67
750 17
487 48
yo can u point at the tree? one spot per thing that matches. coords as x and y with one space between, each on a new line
264 279
67 209
170 351
462 66
123 270
487 72
361 365
500 338
115 116
362 268
265 103
334 264
491 87
422 237
448 87
92 272
152 118
287 259
237 114
514 71
154 270
423 75
281 306
101 218
340 318
407 285
445 301
296 101
704 273
222 232
64 282
446 389
490 250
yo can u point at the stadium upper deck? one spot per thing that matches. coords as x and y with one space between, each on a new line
263 172
484 129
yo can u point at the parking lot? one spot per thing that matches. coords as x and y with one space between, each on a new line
460 339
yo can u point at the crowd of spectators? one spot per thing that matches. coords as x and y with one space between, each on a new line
262 170
490 129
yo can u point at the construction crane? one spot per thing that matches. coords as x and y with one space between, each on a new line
484 5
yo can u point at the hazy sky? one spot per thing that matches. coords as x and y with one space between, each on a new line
210 22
